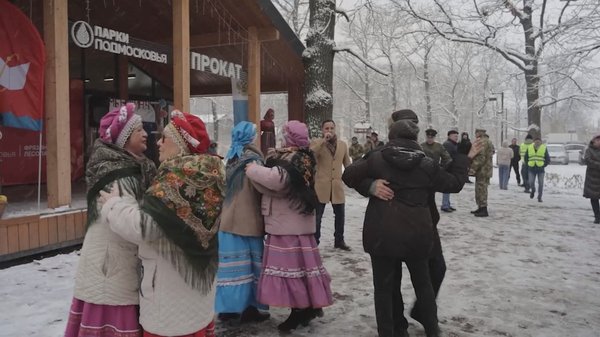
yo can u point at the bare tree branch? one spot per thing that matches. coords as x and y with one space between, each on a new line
343 13
350 51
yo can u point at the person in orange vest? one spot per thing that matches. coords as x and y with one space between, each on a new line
537 158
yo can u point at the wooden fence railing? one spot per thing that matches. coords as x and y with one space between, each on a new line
28 235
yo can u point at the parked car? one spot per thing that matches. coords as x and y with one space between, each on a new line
558 154
581 155
574 151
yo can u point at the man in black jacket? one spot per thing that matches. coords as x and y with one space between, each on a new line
399 221
464 146
451 146
514 162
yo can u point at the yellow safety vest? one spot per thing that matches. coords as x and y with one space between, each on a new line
536 158
523 149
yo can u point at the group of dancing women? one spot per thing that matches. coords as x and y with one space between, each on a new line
168 249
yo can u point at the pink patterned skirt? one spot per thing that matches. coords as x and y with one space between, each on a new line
97 320
293 275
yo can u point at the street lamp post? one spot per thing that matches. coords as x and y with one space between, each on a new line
503 117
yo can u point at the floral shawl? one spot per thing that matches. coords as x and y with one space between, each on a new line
185 201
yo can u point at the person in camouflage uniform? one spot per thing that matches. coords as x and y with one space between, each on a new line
356 150
435 150
482 169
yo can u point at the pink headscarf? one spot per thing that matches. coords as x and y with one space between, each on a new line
295 133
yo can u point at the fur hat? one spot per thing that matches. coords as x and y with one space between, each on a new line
188 132
482 130
405 114
404 129
117 125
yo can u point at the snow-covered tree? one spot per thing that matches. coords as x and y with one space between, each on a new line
554 35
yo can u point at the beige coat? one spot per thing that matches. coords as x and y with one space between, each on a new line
328 180
242 215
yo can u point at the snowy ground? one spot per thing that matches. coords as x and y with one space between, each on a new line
530 269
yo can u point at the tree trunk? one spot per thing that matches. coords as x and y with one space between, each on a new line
393 83
532 80
367 96
427 88
318 64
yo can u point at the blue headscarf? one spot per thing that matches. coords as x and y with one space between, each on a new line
241 135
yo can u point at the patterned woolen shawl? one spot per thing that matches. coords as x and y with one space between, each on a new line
299 164
109 163
185 201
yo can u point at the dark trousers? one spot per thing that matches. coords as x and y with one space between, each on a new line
596 207
339 211
437 270
389 306
525 175
515 166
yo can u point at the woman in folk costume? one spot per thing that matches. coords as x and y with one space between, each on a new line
267 131
106 299
292 273
241 233
175 230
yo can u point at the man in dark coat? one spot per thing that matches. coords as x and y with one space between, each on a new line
464 146
398 227
451 146
514 162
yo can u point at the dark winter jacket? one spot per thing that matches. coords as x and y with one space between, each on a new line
591 187
451 147
465 145
403 227
517 154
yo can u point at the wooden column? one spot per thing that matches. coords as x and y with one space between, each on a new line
254 79
58 155
296 99
123 76
181 54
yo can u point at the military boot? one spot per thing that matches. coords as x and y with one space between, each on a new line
482 212
476 211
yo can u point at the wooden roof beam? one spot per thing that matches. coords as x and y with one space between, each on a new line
225 39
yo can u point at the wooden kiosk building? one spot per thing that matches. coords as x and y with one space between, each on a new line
143 50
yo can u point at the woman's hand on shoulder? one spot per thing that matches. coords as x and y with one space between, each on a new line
106 196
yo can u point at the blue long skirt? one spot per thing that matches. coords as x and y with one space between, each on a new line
240 264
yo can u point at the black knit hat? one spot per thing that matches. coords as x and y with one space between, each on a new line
529 136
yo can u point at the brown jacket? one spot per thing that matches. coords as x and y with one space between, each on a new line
328 180
242 215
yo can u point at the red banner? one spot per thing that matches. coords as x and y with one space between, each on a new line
19 148
22 61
